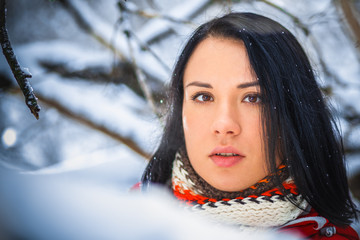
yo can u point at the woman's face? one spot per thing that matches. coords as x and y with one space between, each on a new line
221 115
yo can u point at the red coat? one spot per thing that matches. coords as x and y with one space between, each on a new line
311 226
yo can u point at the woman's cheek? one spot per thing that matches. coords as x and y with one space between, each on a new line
194 120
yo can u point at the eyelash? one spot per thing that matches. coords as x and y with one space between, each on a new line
252 95
196 95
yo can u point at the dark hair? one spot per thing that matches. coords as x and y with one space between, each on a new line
297 124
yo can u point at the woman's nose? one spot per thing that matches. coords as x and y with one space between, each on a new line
226 122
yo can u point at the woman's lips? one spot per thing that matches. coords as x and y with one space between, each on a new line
221 160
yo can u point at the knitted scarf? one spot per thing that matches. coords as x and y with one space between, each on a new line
262 205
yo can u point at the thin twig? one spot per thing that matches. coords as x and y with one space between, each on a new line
86 26
123 7
148 48
143 46
21 74
140 76
352 150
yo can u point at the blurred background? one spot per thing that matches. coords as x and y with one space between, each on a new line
100 70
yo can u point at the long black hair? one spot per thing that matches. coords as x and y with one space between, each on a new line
297 123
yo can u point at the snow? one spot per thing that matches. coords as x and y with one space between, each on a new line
111 166
353 164
53 207
109 105
77 184
75 55
348 95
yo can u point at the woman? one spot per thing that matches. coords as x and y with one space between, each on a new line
249 140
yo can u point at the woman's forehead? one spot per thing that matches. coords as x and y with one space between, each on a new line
219 59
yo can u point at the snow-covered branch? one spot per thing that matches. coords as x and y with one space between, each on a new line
94 125
102 32
21 74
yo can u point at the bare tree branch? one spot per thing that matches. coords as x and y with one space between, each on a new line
125 140
148 48
122 73
352 150
86 26
352 18
140 76
146 14
21 74
330 74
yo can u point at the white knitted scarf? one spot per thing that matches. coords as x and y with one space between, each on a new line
246 213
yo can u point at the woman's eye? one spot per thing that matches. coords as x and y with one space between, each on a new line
252 99
202 98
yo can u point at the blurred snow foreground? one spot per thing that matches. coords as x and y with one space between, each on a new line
49 206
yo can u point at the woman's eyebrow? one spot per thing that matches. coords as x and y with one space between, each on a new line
199 84
248 84
206 85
